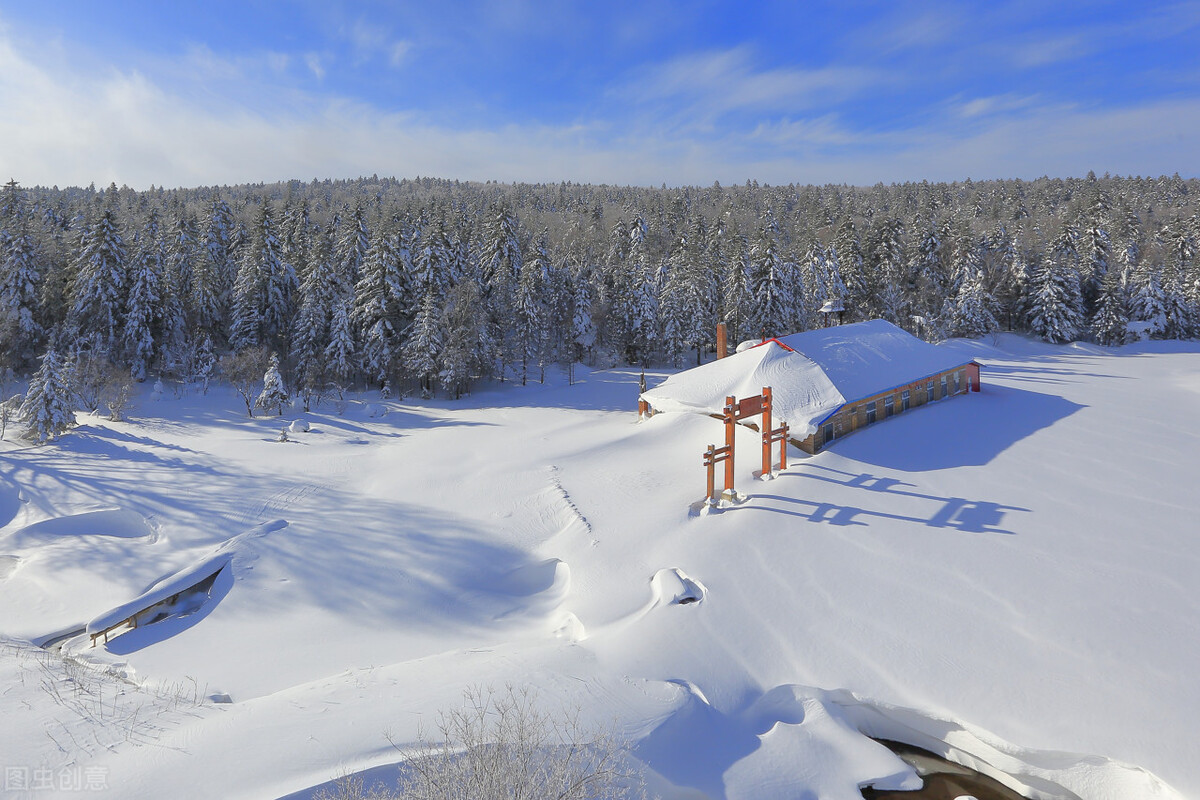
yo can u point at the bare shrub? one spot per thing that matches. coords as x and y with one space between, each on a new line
244 371
503 746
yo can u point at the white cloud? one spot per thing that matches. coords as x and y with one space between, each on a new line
315 66
370 40
995 104
708 85
62 127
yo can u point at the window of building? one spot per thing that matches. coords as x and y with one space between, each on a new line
928 391
889 406
943 394
905 400
827 432
871 415
957 375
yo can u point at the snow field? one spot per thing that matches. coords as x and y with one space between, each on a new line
1006 576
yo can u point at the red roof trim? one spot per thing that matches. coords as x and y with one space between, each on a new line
776 341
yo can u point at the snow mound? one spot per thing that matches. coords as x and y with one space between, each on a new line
782 741
179 582
118 523
299 426
375 410
673 587
551 577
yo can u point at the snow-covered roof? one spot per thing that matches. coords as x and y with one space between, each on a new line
802 393
867 358
811 374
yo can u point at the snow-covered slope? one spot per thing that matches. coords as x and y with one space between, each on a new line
1007 578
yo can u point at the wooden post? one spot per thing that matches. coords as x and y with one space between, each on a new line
643 406
730 422
722 340
710 461
767 431
783 443
713 455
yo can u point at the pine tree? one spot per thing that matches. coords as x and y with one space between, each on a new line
49 406
264 289
465 338
99 284
735 294
423 349
144 302
971 309
353 244
339 353
770 289
379 301
1054 303
1110 323
214 271
273 395
1148 302
530 308
18 292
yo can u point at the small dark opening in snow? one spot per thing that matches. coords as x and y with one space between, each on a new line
686 600
944 780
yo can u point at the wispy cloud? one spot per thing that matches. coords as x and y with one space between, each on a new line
995 104
370 40
701 87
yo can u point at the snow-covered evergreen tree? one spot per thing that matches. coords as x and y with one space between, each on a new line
99 285
735 294
1054 301
273 396
19 277
264 289
771 299
1110 323
48 409
144 304
353 242
423 348
530 308
971 309
339 353
379 304
1148 301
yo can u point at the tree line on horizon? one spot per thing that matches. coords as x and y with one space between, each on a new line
430 285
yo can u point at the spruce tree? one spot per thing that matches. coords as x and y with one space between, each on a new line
273 395
99 285
48 409
423 349
144 302
1110 323
339 353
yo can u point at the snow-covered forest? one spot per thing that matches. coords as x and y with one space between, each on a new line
430 285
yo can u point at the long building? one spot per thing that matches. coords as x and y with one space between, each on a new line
828 382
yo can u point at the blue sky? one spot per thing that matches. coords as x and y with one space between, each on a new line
179 93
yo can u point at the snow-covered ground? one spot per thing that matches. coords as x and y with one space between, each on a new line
1007 577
